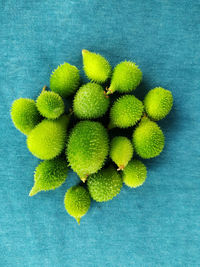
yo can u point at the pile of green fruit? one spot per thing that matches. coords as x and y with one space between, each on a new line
102 159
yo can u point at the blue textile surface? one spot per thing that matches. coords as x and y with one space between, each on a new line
154 225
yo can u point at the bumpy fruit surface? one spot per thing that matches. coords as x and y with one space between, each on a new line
47 139
65 80
121 151
148 139
25 115
126 111
87 148
50 105
49 174
158 103
134 174
96 67
90 101
77 202
105 184
126 77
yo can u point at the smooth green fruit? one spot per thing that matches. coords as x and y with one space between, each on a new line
87 148
105 184
121 151
96 67
47 139
49 174
134 173
148 139
65 80
126 77
50 105
90 101
25 115
77 202
126 111
158 103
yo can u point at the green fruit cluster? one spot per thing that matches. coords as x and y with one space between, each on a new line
84 139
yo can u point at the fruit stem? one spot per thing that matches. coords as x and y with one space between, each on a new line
78 220
106 95
109 91
84 178
44 88
84 51
34 190
121 167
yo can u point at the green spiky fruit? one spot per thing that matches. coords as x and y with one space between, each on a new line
125 78
148 139
126 112
105 184
158 103
25 115
77 202
96 67
49 174
87 148
50 105
47 139
90 101
121 151
65 80
134 173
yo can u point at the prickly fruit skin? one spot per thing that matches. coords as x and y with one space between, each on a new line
87 148
25 115
121 151
96 67
50 105
158 103
148 139
126 77
126 111
134 174
90 102
65 80
49 174
77 202
105 184
47 139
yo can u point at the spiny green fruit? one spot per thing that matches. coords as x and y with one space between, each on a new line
50 104
77 202
134 173
25 115
96 67
125 78
158 103
148 139
121 151
105 184
90 101
49 174
87 148
47 139
126 111
65 80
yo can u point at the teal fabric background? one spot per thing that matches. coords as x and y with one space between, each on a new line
155 225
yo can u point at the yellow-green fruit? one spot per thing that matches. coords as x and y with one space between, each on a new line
158 103
50 105
77 202
49 174
125 78
148 139
65 80
90 101
25 115
87 148
121 151
134 173
105 184
96 67
126 111
47 139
